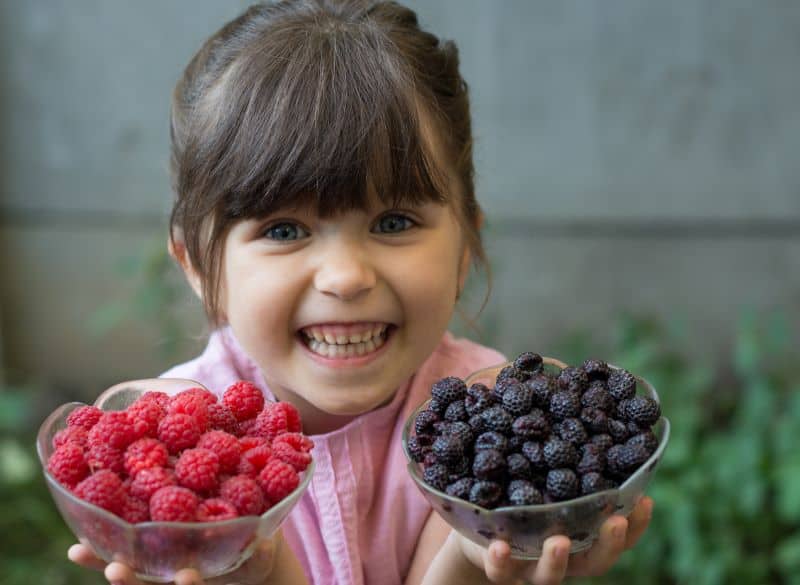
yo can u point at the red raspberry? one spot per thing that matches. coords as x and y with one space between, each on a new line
244 399
145 416
135 510
179 431
298 441
103 456
215 509
276 419
74 434
244 493
192 405
204 394
160 398
253 460
221 418
84 416
246 426
174 504
250 441
115 429
103 489
285 452
149 481
197 469
68 465
225 445
144 453
277 479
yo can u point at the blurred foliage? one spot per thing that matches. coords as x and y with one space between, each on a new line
156 290
727 493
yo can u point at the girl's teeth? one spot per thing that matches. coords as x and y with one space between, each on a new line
332 349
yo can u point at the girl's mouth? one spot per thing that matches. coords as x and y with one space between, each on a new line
345 341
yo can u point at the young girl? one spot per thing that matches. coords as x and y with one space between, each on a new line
326 216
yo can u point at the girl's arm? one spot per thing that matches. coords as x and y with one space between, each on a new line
443 556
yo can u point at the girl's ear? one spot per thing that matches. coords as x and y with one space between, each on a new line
177 249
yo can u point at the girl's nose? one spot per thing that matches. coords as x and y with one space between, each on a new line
345 274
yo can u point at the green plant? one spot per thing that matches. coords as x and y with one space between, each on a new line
727 494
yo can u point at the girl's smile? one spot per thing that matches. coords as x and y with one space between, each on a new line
345 344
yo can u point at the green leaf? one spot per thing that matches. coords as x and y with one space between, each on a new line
787 555
787 488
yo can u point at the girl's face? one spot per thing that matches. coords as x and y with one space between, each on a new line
339 312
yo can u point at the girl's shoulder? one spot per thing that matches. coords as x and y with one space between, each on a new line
458 356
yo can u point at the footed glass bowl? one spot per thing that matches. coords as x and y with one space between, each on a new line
525 528
157 550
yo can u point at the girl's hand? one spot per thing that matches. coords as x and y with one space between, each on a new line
255 571
616 536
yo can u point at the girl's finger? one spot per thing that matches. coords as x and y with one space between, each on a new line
552 566
638 521
605 552
83 556
119 574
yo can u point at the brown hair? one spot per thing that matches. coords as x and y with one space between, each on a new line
316 102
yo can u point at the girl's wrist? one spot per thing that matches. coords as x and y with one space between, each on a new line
452 565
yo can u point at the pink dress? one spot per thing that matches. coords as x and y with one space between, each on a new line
361 517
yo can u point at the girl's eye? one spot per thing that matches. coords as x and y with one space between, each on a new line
393 223
285 232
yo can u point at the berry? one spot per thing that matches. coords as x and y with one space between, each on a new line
597 396
573 379
621 384
456 411
532 426
419 446
103 456
618 430
103 489
144 453
534 452
287 453
114 429
477 423
528 362
491 440
244 399
518 399
297 441
179 431
643 410
502 385
594 419
149 481
508 373
278 480
623 459
275 419
592 459
560 453
191 404
204 394
448 390
145 416
497 419
572 430
437 476
489 464
479 397
594 482
225 445
524 494
486 494
221 418
595 369
646 439
460 488
562 484
245 494
75 434
603 440
437 406
518 466
84 416
160 398
564 404
197 469
214 509
68 465
464 432
174 504
253 460
542 387
250 441
448 449
134 510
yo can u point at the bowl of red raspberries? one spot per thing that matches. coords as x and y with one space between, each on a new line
163 474
533 448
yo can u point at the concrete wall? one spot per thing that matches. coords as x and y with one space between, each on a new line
631 155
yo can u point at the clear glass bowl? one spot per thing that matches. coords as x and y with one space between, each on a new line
525 528
157 550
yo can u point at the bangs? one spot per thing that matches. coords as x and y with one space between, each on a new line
333 123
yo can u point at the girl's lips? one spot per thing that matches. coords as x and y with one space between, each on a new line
346 354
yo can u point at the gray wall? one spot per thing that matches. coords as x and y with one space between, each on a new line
631 155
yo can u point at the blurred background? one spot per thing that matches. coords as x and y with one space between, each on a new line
637 163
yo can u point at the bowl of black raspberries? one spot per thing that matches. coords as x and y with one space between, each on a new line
533 448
